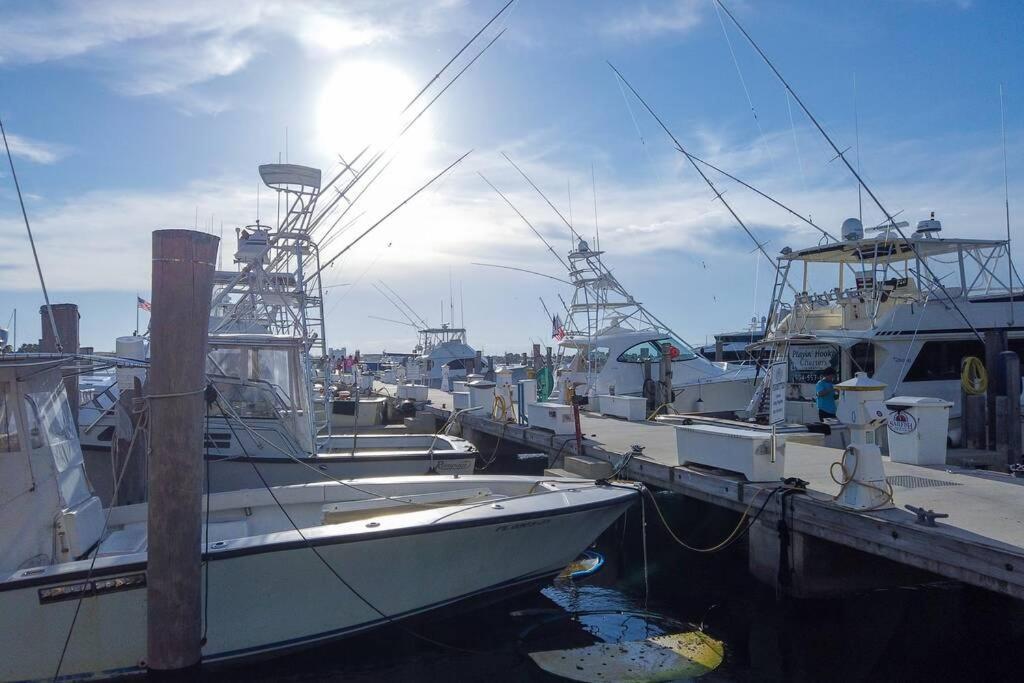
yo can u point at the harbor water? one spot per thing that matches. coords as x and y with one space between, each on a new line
936 631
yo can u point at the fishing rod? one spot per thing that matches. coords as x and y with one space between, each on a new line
389 320
689 157
842 155
379 155
457 54
31 240
534 186
766 196
409 125
528 223
405 303
398 308
386 216
523 270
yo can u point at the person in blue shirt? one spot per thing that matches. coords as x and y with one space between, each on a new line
825 394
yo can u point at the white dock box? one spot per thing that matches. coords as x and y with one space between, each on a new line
632 408
736 449
459 385
481 395
460 400
415 392
917 428
556 417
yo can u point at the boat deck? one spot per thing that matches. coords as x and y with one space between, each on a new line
980 543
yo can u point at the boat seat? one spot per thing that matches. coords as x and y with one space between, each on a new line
82 526
131 539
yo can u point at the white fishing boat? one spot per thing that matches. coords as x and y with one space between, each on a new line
287 567
906 311
259 418
608 335
266 354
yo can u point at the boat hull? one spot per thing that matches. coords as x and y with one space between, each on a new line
268 597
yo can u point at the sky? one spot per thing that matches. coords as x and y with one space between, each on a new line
126 117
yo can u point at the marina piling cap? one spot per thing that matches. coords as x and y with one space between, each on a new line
861 382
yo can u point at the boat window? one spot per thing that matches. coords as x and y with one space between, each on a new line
51 426
9 442
598 357
862 354
652 349
940 360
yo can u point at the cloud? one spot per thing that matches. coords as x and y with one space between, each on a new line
148 48
637 22
35 150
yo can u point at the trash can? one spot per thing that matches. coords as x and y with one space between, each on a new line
917 428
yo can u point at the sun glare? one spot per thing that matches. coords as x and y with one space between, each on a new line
361 104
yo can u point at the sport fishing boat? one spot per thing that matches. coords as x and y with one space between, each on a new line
608 337
261 417
906 311
73 580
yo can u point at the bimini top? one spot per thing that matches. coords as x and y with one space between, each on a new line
886 249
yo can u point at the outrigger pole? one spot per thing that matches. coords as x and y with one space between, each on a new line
31 241
841 154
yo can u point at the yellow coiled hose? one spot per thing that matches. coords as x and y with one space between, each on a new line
973 376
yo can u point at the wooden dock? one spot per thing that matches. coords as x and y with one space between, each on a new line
981 542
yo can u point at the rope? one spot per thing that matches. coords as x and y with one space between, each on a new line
973 376
733 536
180 394
849 477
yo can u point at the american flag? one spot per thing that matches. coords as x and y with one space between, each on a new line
143 304
557 330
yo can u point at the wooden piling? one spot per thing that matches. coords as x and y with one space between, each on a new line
66 318
183 267
1010 363
995 344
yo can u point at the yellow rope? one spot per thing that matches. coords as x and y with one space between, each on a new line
718 546
849 478
973 376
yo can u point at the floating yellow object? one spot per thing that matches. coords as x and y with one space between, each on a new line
584 565
669 657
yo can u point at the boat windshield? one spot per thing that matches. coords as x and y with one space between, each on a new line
260 371
651 349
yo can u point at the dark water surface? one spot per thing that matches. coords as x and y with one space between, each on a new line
939 631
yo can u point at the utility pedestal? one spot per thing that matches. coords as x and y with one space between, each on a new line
861 407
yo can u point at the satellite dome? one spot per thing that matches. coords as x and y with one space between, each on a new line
852 229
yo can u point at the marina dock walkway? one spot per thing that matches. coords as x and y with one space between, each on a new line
980 543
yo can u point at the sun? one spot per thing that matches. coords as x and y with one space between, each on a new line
361 104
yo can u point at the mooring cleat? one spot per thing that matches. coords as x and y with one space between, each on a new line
926 517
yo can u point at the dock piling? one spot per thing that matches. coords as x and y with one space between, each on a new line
183 266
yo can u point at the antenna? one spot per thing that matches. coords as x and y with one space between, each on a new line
568 188
451 298
31 241
1006 190
856 134
593 185
462 307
